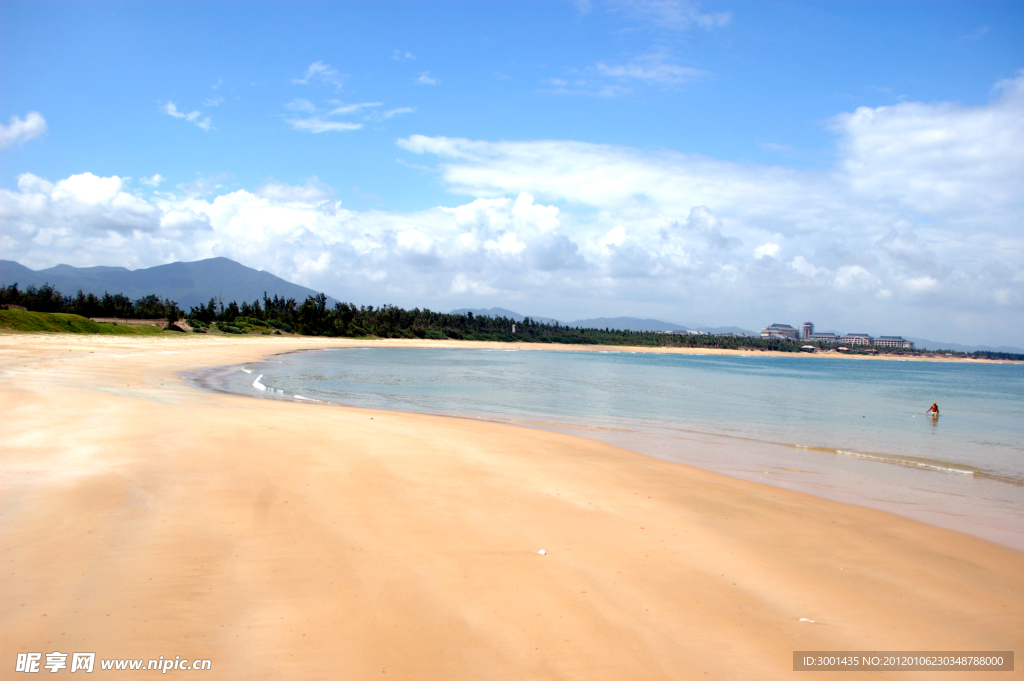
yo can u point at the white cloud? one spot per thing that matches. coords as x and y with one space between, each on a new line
924 198
573 229
322 123
213 101
615 237
193 117
426 79
342 109
153 181
390 113
656 68
313 192
402 55
800 264
319 72
83 205
301 105
21 130
670 14
854 276
923 284
937 157
317 125
976 34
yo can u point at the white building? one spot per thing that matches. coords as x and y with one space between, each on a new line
781 331
893 342
857 339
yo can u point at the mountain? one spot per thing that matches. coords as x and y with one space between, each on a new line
925 344
501 312
726 329
627 324
190 284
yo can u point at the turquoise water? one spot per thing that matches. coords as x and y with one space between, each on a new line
846 429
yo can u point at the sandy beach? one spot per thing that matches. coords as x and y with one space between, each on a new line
142 517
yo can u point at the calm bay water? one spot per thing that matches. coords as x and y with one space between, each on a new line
849 430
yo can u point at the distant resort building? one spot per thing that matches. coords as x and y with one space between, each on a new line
806 332
893 342
780 331
857 339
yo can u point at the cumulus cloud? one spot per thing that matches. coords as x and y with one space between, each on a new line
573 229
194 117
313 192
767 249
21 130
920 215
83 205
426 79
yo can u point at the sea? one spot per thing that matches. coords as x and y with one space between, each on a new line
850 430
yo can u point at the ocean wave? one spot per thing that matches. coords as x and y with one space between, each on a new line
256 384
916 462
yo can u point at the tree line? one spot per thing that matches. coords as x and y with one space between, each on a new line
46 298
313 317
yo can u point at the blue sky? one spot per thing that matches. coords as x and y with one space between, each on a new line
856 163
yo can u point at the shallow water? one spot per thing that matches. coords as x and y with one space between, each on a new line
849 430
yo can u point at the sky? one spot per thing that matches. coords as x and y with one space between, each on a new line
856 164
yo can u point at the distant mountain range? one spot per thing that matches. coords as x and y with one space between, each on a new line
637 324
627 324
619 323
925 344
501 312
190 284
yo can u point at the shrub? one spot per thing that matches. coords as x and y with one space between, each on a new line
282 326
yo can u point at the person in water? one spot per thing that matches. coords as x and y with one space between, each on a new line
934 409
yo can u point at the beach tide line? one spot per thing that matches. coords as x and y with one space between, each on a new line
915 462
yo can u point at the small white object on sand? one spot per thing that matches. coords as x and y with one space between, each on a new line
543 552
804 619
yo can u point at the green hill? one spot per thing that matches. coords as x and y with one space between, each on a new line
58 322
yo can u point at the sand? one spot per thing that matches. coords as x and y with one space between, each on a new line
141 517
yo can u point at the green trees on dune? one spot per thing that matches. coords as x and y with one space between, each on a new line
314 317
46 298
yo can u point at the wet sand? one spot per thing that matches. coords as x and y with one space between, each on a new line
141 517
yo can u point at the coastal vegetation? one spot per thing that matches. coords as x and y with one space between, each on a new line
313 317
59 322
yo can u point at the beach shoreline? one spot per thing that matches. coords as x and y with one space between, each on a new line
145 517
317 342
982 506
